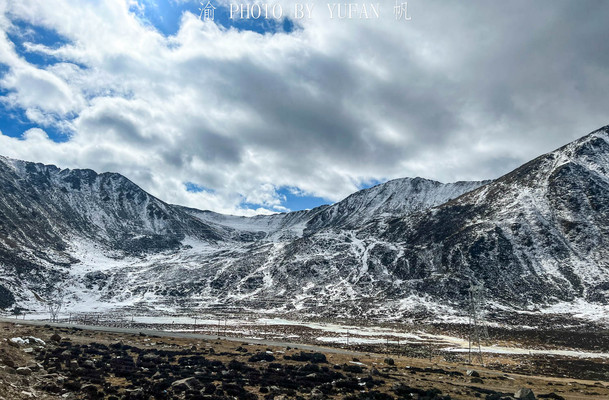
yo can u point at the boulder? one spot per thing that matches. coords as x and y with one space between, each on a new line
152 357
34 366
186 384
8 362
317 394
261 357
354 368
210 388
25 371
524 394
308 357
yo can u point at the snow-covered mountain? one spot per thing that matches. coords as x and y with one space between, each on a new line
397 197
45 211
394 198
536 237
44 206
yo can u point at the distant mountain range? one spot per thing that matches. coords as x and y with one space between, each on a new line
537 238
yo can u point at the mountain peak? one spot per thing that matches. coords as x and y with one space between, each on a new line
535 236
604 129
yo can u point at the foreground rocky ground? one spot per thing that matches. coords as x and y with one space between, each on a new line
69 363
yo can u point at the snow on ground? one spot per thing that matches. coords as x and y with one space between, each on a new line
344 329
514 350
349 334
359 340
333 333
180 320
322 327
579 308
94 257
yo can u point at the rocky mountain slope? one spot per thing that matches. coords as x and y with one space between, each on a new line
538 234
394 198
44 206
44 211
536 238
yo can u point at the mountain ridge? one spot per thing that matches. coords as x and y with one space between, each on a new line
536 237
538 196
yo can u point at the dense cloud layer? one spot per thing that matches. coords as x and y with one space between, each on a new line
465 90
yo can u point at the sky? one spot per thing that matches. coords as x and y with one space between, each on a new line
248 116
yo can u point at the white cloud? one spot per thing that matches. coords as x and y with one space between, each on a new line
40 89
454 94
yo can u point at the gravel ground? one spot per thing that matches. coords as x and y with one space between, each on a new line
70 363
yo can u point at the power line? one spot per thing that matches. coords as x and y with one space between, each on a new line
477 329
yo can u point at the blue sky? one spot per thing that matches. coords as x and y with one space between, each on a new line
247 117
164 16
13 120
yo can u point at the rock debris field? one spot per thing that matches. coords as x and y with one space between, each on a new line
70 363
